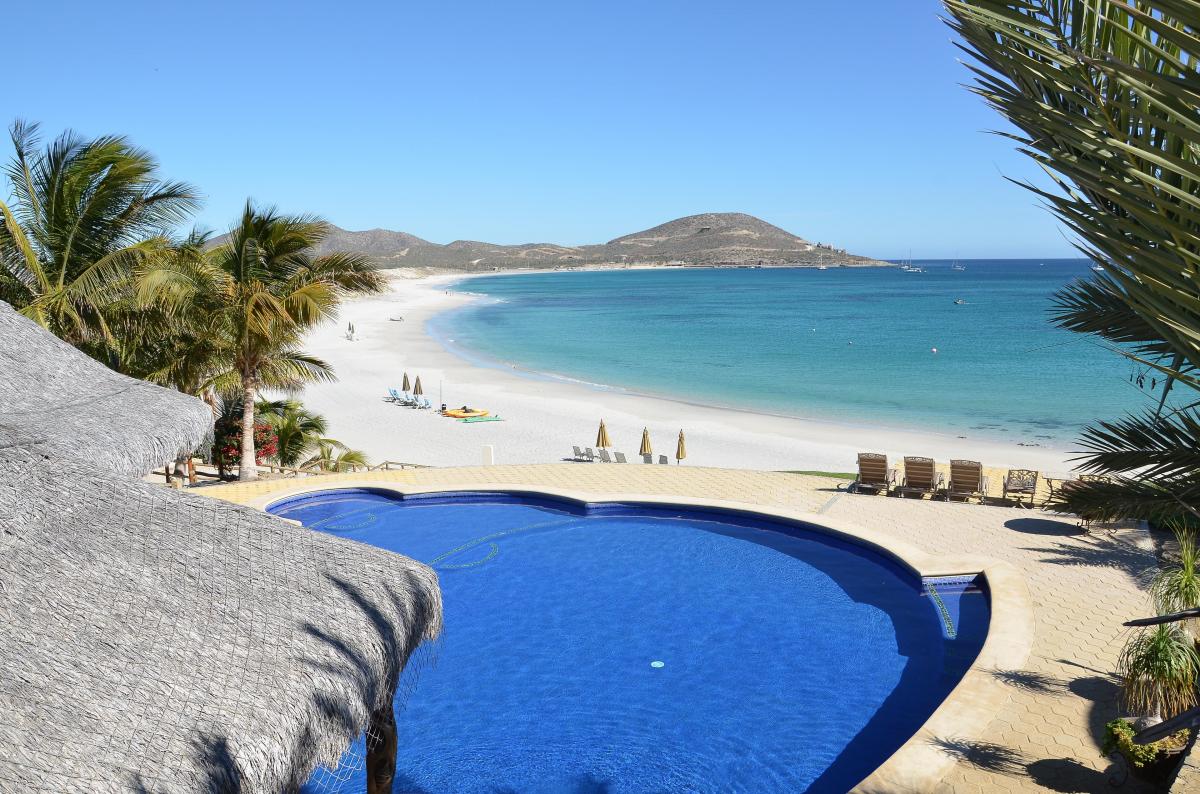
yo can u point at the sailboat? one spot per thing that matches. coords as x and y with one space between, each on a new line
909 267
957 266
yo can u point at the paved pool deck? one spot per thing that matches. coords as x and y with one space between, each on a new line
1045 714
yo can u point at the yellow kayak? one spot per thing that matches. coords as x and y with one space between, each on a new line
459 413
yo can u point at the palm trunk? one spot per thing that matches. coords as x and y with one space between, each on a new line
248 469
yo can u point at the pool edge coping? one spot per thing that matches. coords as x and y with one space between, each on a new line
917 765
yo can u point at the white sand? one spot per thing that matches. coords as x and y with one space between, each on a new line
543 418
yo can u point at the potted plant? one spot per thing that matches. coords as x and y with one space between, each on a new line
1152 762
1159 669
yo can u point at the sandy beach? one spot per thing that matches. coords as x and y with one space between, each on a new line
544 417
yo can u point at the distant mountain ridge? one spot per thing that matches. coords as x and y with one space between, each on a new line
714 238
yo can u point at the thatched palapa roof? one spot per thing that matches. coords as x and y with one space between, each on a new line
159 641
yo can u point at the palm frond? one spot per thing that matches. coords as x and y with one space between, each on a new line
1105 93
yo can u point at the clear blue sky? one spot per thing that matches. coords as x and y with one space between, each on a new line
562 121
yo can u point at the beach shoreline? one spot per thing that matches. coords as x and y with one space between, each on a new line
544 416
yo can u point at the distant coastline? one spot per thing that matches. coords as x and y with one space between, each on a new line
706 240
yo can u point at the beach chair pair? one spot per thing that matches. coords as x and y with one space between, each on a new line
616 457
405 399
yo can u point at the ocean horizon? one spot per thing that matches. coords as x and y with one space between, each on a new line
879 346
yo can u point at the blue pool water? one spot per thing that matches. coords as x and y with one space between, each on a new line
630 649
779 340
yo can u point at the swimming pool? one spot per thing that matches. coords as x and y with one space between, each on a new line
621 647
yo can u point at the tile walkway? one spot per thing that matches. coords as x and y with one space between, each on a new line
1083 586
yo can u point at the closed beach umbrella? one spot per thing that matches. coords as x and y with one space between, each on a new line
405 386
417 390
680 448
602 436
645 450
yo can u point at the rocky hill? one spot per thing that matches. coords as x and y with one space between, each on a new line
716 238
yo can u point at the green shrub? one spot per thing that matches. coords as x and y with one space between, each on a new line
1159 668
1176 587
1118 738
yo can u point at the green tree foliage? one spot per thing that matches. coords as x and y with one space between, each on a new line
84 215
300 435
263 287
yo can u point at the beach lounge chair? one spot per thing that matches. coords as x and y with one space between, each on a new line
578 453
966 480
920 477
663 460
1021 483
604 457
648 459
619 457
393 396
873 474
588 455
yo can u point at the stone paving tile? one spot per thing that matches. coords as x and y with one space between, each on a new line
1083 586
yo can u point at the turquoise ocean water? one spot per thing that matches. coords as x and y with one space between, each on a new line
843 344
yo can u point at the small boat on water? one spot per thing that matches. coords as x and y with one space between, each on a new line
957 266
822 267
1098 268
959 302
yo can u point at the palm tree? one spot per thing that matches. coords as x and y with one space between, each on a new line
263 287
172 332
345 460
1104 95
299 432
85 214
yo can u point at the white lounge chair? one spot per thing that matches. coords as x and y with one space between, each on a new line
578 453
648 459
619 457
663 460
604 458
588 455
